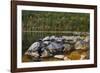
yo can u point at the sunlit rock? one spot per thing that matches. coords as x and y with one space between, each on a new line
59 56
66 58
46 38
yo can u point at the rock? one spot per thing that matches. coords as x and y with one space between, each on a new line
46 38
66 58
52 37
78 45
54 47
67 47
85 47
59 56
81 45
82 57
34 54
46 54
86 39
34 46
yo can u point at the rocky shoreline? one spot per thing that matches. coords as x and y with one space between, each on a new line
58 48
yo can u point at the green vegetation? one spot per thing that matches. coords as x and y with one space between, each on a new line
56 21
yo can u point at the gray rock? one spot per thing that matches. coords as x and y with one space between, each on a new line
67 47
81 45
34 46
46 53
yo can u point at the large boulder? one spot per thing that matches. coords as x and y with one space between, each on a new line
55 47
33 48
